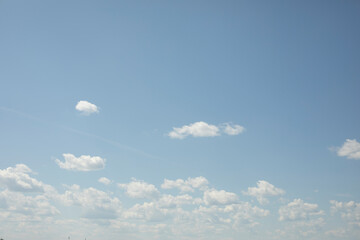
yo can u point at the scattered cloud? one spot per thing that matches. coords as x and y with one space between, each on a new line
93 202
350 149
139 189
263 190
350 211
104 180
18 204
197 211
219 197
82 163
186 185
18 179
86 107
203 129
298 210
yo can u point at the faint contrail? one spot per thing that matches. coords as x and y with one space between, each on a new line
114 143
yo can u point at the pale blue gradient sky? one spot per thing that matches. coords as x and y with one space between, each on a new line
288 71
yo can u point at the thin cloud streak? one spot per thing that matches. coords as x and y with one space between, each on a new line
100 138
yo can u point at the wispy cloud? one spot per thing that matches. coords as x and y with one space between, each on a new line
86 134
104 180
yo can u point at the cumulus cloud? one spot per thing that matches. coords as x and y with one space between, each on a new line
350 149
219 197
139 189
186 185
262 190
149 211
32 206
203 129
86 107
198 129
298 210
82 163
104 180
93 202
18 179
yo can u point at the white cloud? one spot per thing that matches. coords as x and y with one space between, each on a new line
350 149
82 163
197 129
93 202
104 180
203 129
233 129
245 213
349 210
298 210
186 185
219 197
86 107
170 201
262 190
140 189
18 179
16 203
149 211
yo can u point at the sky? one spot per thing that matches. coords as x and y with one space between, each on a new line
183 120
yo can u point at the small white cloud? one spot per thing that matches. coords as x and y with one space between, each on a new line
82 163
262 190
233 129
104 180
198 129
186 185
86 107
140 189
350 149
203 129
219 197
297 210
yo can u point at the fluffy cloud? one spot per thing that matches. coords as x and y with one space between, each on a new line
140 189
298 210
203 129
82 163
219 197
16 203
186 185
198 129
262 190
104 180
86 107
245 213
18 179
93 202
350 149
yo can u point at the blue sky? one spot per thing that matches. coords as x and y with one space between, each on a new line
203 119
